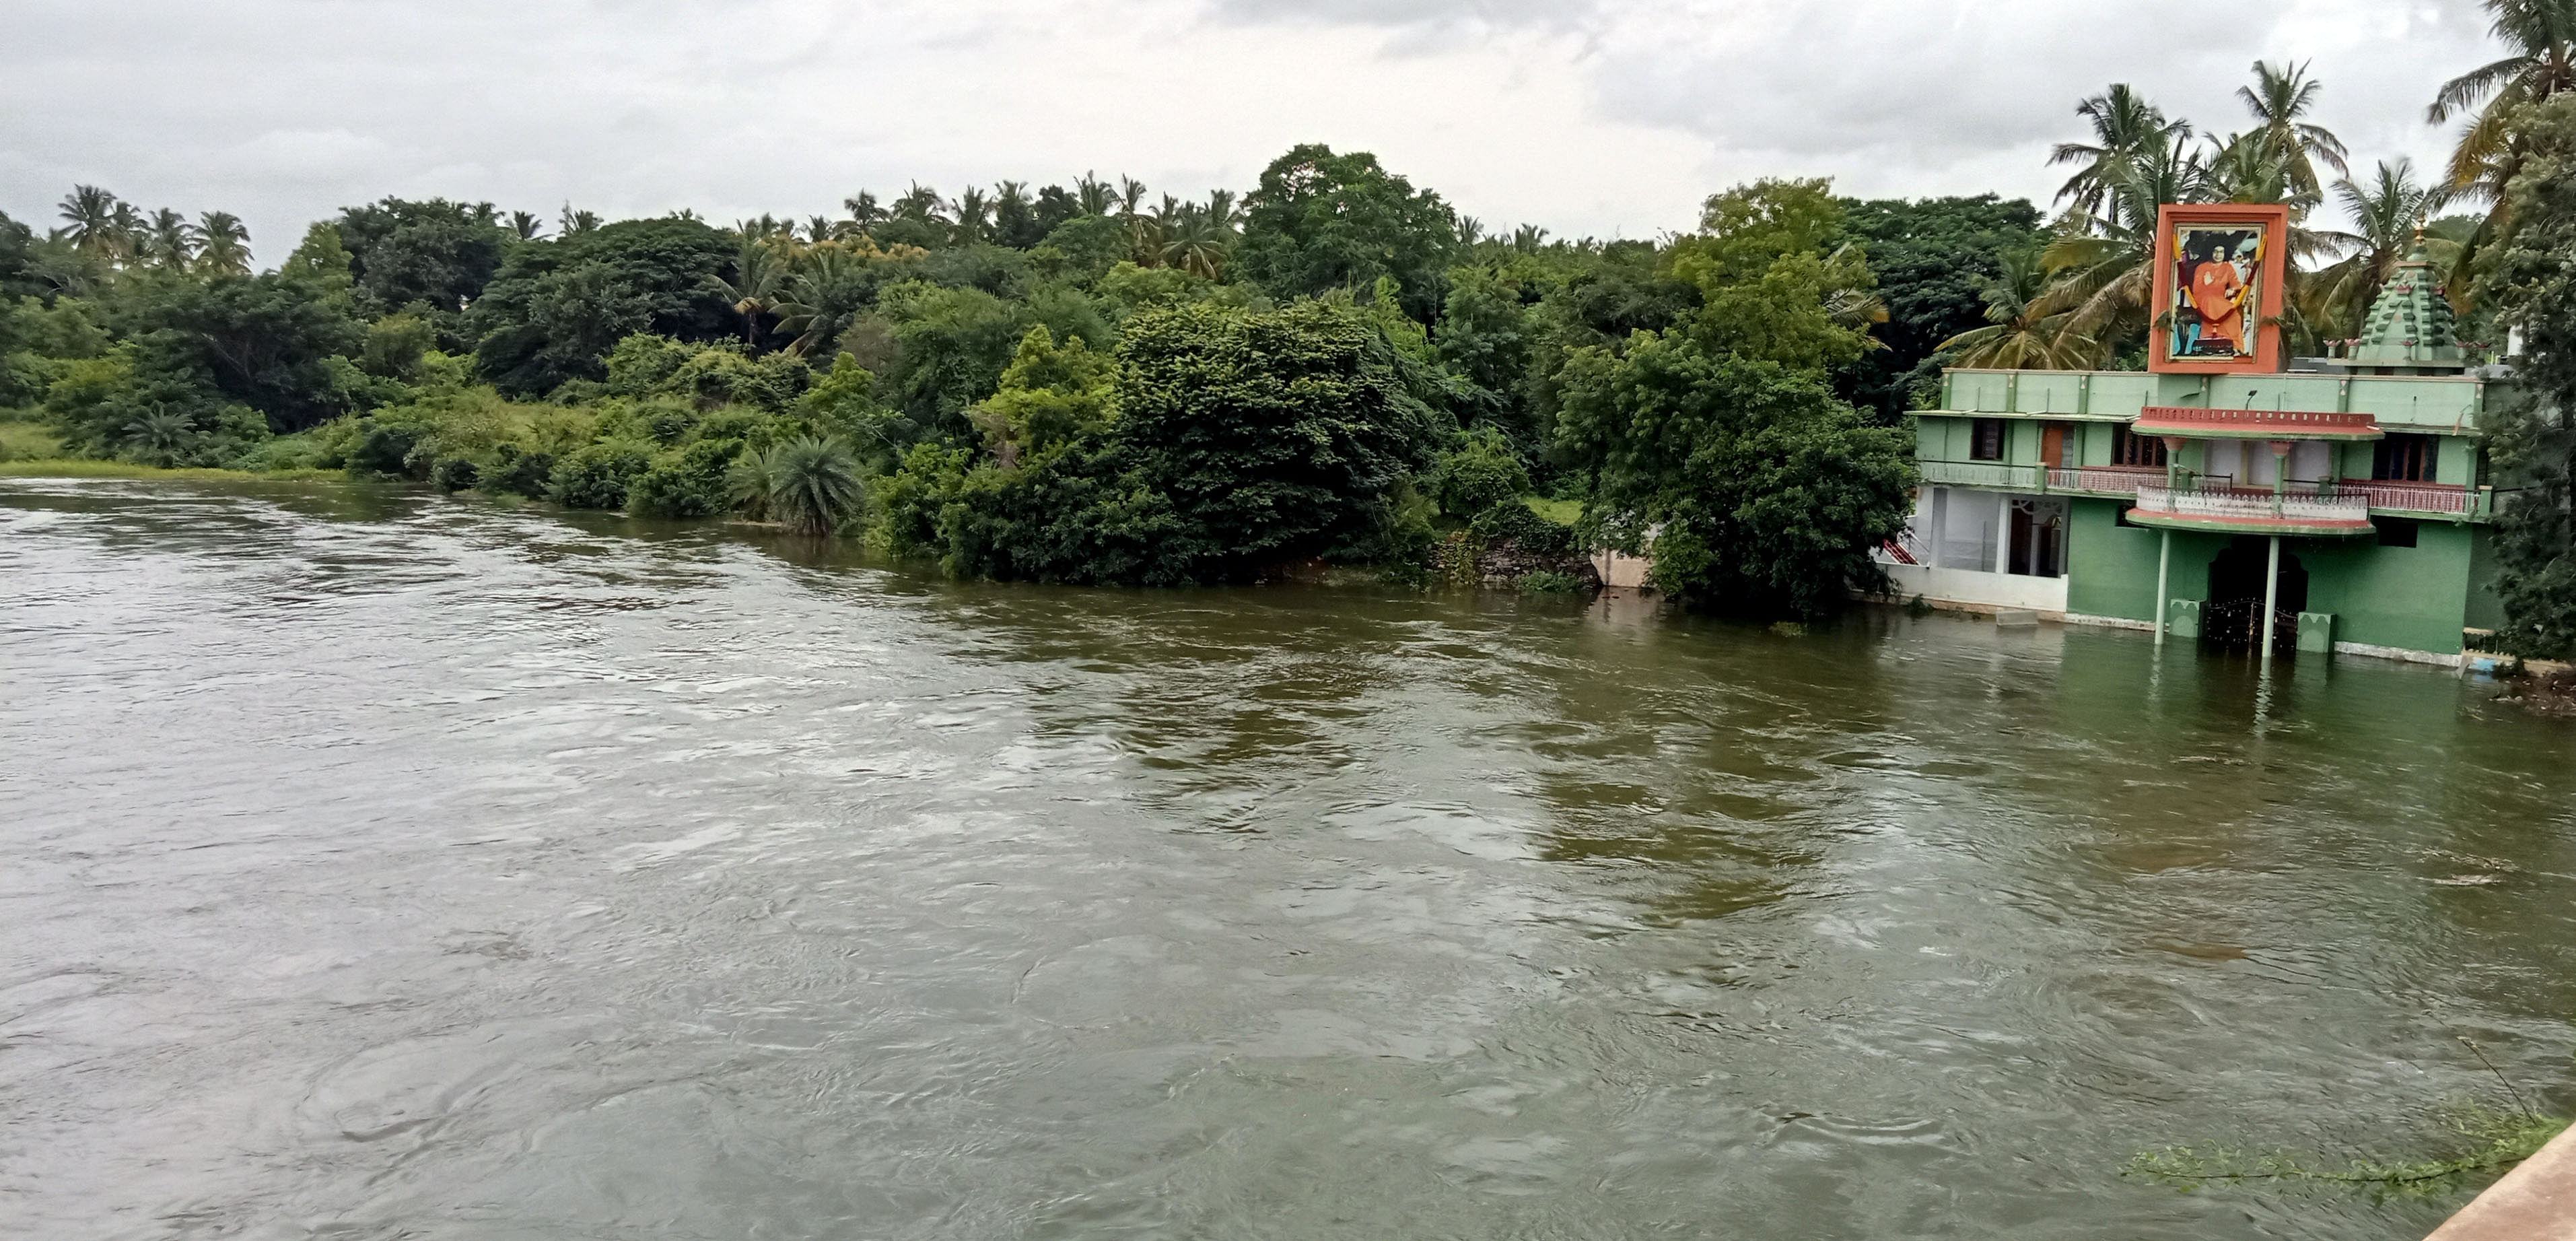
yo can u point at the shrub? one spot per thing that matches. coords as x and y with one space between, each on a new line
1547 582
686 482
1483 471
454 474
1513 520
597 476
519 473
815 485
382 447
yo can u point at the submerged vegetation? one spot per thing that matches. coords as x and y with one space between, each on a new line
1089 383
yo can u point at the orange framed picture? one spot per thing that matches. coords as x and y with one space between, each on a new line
2221 277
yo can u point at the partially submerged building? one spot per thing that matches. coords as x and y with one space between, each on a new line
2351 492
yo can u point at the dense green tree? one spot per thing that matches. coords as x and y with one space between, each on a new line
278 344
1772 281
1934 260
17 260
1321 221
557 307
2533 283
433 252
1753 488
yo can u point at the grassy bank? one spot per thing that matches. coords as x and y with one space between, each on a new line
81 467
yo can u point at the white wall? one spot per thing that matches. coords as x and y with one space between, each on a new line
1984 590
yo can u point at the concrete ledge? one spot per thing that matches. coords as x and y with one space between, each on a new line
2398 653
2534 1202
2109 622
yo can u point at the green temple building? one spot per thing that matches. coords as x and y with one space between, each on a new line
2349 491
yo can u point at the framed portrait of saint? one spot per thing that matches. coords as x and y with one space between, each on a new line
2220 283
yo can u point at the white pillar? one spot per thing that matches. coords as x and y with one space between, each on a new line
2271 593
2003 532
2164 574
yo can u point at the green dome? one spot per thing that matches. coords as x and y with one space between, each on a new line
2411 324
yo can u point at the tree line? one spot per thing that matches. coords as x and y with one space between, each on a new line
1093 383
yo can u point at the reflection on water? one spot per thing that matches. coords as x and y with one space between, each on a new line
386 865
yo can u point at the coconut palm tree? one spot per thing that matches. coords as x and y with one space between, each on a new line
526 225
96 221
1094 195
2125 127
864 211
757 275
2017 336
575 223
1193 243
974 215
814 485
1528 238
2104 271
2541 35
169 241
223 244
2386 211
2279 98
1131 195
823 299
922 205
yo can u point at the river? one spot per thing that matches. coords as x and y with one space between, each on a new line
385 865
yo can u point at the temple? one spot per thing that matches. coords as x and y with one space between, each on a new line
2318 504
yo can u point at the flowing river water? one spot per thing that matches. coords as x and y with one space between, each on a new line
382 865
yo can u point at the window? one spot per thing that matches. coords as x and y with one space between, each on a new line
2394 531
2128 448
2404 459
1986 440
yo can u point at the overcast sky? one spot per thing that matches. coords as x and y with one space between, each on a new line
1606 117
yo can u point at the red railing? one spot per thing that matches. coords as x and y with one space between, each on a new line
2185 419
2414 497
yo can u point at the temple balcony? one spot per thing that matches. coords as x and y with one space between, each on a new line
2312 509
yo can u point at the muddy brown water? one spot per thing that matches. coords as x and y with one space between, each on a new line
382 865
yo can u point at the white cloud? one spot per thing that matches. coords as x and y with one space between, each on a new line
1608 117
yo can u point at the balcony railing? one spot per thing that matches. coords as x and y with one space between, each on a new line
2421 497
2126 480
2117 480
2305 503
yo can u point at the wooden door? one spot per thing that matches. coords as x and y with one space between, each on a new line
2052 446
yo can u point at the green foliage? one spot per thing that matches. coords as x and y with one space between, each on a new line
2485 1140
1517 523
263 341
1274 435
709 374
1768 288
1481 472
598 475
813 485
2532 279
321 259
954 345
1082 249
692 480
1321 221
1049 395
396 346
518 472
1931 258
1759 491
556 308
432 253
1546 582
